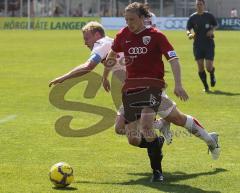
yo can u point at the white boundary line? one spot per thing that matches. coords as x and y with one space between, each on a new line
8 118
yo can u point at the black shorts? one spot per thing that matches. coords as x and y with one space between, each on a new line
204 51
134 101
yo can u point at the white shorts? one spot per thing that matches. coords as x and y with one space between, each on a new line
120 110
165 108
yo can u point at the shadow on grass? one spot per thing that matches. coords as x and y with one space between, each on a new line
65 188
170 183
219 92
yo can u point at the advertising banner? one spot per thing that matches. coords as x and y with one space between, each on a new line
57 23
172 23
229 23
163 23
111 23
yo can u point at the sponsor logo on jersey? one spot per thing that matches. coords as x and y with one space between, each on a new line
137 50
146 40
172 54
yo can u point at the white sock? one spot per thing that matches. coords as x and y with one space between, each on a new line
194 127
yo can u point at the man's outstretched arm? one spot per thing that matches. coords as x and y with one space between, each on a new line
80 70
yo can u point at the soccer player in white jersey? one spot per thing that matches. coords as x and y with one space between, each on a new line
100 45
152 20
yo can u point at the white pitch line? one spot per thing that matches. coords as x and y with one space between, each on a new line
8 118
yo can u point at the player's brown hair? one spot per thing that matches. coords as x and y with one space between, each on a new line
139 8
203 1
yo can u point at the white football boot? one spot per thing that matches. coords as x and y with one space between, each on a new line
164 127
215 152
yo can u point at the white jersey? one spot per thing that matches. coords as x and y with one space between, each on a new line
101 48
150 21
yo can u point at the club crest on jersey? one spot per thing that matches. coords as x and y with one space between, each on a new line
146 40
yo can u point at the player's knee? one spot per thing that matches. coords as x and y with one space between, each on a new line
210 69
146 127
135 141
120 125
120 129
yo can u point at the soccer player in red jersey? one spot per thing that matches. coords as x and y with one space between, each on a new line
142 91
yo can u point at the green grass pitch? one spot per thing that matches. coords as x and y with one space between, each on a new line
105 163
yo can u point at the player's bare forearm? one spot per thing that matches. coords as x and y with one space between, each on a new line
111 60
105 81
178 90
176 71
81 70
76 72
106 73
109 63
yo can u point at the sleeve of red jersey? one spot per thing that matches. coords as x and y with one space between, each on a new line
166 48
117 45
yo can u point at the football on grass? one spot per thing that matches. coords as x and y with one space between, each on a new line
61 174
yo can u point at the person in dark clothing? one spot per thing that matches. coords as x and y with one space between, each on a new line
203 24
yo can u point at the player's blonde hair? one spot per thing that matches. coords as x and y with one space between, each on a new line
94 27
